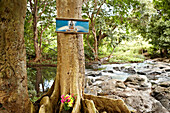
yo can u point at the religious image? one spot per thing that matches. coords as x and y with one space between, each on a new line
72 26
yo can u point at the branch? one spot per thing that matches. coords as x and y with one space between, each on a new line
85 1
88 11
46 27
30 20
42 30
114 27
41 4
43 10
98 10
31 6
102 36
89 44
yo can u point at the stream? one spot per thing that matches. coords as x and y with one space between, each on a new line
40 79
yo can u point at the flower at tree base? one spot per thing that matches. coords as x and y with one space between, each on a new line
68 101
70 104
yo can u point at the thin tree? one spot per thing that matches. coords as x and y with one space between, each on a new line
38 8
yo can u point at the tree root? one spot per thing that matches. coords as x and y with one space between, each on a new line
89 104
45 105
107 105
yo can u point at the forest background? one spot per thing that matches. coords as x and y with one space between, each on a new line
121 31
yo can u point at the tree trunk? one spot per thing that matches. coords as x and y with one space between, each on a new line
38 80
13 76
35 19
68 65
95 40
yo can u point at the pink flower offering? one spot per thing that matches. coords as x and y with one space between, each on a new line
67 97
68 101
62 96
62 101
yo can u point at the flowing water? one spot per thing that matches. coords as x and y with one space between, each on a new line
40 79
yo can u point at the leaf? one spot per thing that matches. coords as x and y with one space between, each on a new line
107 1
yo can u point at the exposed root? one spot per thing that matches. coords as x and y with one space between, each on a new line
88 106
45 105
108 105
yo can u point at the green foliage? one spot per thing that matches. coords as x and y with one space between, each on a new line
105 17
130 51
158 32
45 25
154 24
31 77
47 73
162 7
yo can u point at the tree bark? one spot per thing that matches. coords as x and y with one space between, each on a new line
70 63
13 75
39 80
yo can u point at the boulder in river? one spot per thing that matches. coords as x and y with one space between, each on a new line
139 82
130 70
94 73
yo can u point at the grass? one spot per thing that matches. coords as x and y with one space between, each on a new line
125 57
129 51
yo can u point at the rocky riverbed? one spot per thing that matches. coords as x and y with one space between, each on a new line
144 87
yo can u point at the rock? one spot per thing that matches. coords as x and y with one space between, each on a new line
120 84
122 68
141 73
89 81
108 85
103 78
167 60
136 90
167 69
114 97
93 65
116 68
144 103
92 90
109 71
158 108
144 71
134 78
158 72
162 94
94 73
130 70
165 84
137 82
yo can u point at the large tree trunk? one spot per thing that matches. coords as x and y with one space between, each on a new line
13 76
70 62
68 56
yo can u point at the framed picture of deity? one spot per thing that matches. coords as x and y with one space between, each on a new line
64 25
